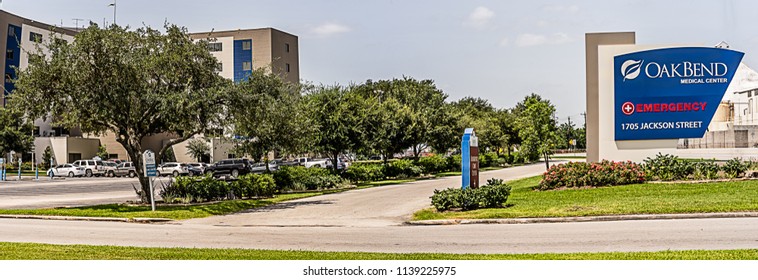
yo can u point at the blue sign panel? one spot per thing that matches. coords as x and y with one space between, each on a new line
670 93
151 171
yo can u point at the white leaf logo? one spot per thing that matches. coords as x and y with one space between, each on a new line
631 69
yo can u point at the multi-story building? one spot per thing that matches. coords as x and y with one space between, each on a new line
735 123
238 53
241 51
20 38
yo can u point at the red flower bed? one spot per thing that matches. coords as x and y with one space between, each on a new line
596 174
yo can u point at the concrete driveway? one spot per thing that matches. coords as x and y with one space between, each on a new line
372 207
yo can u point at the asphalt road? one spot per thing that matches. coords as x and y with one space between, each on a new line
69 192
370 220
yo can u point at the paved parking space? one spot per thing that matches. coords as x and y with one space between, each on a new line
68 192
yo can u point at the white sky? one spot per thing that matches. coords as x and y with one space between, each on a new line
497 50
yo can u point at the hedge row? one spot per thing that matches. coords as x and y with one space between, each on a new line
189 190
581 174
670 168
298 178
288 178
404 168
662 167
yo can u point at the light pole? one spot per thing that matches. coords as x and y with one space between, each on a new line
114 10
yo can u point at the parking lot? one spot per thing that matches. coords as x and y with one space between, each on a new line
67 192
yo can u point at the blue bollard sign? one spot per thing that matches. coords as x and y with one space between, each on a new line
470 160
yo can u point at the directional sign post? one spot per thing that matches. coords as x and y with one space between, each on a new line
148 161
470 160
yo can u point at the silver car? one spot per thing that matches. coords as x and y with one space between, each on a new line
126 168
172 168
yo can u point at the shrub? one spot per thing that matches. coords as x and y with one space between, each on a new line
433 164
254 185
402 169
206 189
581 174
668 168
299 178
494 194
734 168
364 172
488 160
706 170
454 163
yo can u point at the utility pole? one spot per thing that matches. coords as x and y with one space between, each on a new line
76 22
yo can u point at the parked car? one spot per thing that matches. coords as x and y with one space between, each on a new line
109 168
260 167
283 162
68 170
91 167
233 167
341 163
172 168
126 168
196 168
310 162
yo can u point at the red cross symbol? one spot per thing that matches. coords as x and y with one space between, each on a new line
627 108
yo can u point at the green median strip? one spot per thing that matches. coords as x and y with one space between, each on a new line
174 212
649 198
30 251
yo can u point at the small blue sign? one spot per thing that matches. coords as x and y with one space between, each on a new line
670 93
151 170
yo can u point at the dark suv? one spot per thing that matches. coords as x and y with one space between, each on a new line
233 167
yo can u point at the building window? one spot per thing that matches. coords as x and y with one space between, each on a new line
287 47
215 47
247 66
35 37
288 67
9 54
247 45
11 32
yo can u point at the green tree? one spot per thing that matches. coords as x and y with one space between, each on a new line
447 132
268 115
566 133
102 152
426 104
339 115
47 157
387 119
198 148
479 114
536 124
15 132
506 123
134 83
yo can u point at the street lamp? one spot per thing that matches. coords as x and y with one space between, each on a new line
114 10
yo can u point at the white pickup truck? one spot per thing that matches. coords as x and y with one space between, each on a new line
310 162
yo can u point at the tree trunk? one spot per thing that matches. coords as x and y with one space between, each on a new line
547 161
134 150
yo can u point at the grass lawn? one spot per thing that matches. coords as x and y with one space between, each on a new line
630 199
176 212
29 251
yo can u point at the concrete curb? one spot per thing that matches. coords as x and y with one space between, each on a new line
585 219
91 219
